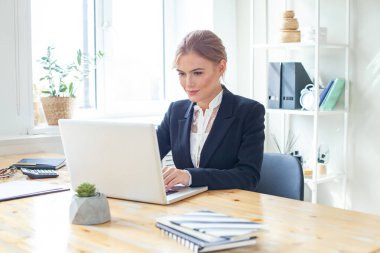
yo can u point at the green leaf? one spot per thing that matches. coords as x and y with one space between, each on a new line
71 89
62 87
79 57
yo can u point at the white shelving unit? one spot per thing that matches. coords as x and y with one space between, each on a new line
316 116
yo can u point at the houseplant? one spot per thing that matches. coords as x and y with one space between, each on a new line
62 82
89 207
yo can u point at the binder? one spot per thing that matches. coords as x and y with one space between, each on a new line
293 79
274 85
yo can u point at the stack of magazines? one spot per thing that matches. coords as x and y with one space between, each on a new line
204 231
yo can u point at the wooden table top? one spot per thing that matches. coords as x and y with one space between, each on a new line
41 223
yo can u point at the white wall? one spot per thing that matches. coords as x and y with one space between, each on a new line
364 141
243 37
30 144
15 68
225 27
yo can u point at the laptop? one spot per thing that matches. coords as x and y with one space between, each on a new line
122 159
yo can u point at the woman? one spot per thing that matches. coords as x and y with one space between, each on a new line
216 137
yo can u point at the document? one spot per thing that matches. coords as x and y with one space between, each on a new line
26 188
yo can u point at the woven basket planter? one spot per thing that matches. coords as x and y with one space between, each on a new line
56 108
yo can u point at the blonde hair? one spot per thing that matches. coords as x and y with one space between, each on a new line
204 43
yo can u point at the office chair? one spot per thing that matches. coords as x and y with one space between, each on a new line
281 175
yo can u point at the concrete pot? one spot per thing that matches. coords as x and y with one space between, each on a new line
89 210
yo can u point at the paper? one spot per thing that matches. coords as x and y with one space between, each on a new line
22 189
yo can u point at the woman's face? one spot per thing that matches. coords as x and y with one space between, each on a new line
199 78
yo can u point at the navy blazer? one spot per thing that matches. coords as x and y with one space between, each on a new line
233 152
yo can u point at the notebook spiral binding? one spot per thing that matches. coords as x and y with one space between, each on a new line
188 244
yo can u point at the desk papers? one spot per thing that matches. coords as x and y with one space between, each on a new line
25 188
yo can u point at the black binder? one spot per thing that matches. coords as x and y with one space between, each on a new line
293 79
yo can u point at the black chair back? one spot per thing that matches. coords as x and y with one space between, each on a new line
281 175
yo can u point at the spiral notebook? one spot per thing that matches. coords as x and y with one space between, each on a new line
205 231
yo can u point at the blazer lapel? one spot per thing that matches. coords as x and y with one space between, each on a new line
220 127
184 128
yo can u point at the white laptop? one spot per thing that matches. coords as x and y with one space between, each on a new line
121 159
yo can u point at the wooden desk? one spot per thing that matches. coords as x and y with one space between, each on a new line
41 223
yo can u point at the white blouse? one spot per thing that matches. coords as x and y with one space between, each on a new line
201 126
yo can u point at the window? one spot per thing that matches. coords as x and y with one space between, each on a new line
67 26
133 37
138 38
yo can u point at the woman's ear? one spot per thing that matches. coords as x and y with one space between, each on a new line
222 66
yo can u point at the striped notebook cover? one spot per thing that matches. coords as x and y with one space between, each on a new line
204 231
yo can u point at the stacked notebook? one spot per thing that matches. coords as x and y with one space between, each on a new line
205 231
41 163
331 94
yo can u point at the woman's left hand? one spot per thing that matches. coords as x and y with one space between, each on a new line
173 176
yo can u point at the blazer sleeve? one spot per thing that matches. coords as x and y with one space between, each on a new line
163 134
246 172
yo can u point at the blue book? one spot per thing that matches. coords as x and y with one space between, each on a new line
324 92
333 95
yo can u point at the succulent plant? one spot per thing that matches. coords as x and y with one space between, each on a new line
86 190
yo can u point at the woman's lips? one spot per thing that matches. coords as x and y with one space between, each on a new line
192 92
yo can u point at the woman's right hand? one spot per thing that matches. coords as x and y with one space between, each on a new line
173 176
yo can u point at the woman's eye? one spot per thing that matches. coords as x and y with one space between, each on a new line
198 73
181 74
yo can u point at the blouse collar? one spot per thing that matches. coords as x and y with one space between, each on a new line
214 103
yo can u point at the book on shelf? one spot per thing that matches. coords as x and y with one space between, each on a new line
205 231
325 91
40 163
333 95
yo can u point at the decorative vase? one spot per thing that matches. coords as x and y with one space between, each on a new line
56 108
89 210
289 28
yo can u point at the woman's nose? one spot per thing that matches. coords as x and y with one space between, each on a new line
189 81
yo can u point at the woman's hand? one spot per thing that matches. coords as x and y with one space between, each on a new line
173 176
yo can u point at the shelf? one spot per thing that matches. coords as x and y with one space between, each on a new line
298 45
316 127
323 179
304 112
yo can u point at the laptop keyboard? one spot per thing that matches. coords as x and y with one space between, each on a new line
168 192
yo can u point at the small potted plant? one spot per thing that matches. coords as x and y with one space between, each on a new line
89 207
62 82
